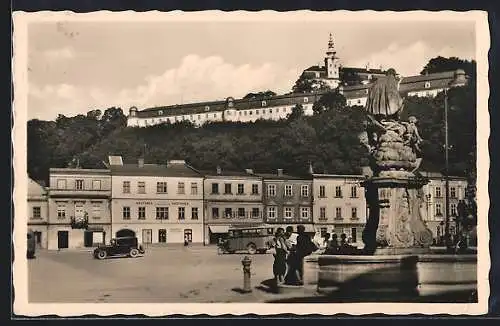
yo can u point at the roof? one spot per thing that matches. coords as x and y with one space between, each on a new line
338 176
429 77
364 70
316 68
275 176
224 173
169 170
218 106
438 175
35 189
78 171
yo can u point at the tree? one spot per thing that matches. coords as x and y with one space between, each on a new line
306 84
442 64
332 100
349 78
260 95
297 112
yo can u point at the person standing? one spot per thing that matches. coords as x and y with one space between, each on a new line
280 255
305 247
291 241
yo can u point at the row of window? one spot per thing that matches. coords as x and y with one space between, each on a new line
240 189
161 187
338 213
95 213
338 192
288 212
271 190
238 213
207 108
207 116
79 184
454 192
438 210
162 213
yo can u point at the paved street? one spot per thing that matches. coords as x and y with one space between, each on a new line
164 274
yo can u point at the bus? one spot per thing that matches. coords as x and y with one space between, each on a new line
253 240
31 245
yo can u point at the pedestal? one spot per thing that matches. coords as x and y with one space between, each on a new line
395 225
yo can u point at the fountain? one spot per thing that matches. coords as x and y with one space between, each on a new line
397 258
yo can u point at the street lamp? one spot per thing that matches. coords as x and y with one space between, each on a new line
447 237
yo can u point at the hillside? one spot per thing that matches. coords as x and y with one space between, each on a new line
328 139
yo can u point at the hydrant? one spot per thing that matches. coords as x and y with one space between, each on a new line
246 262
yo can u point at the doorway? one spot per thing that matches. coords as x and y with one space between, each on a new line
162 236
147 236
188 235
88 239
62 239
38 239
354 234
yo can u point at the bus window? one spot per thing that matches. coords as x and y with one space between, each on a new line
270 231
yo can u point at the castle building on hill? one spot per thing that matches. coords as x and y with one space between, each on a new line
234 110
332 73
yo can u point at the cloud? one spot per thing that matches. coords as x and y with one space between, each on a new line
57 54
195 79
408 59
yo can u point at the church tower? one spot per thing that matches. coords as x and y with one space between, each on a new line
332 64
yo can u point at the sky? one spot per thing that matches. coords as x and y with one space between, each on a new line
75 66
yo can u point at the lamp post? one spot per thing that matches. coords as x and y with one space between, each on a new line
447 236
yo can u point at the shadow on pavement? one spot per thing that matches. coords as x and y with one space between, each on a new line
268 286
465 296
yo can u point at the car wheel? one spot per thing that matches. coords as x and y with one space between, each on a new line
251 248
134 253
102 254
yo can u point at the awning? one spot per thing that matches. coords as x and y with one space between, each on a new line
219 228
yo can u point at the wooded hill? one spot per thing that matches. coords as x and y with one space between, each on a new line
328 139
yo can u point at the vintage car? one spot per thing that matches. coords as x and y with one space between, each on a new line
120 247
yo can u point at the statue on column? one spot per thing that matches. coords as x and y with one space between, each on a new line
393 145
394 148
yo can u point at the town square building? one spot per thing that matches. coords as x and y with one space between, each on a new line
157 203
435 202
339 205
79 207
287 200
38 212
232 199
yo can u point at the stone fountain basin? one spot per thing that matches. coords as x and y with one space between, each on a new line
422 275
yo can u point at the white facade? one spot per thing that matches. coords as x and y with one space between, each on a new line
426 92
76 194
38 212
248 115
339 205
361 101
158 209
435 204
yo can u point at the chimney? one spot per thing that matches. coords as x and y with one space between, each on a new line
219 170
140 162
249 171
311 170
280 172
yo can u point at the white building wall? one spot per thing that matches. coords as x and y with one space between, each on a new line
174 227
